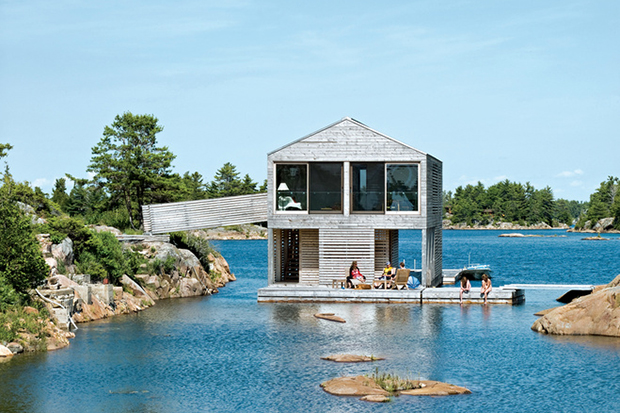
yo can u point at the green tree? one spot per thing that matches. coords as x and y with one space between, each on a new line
59 194
191 187
563 212
128 163
227 183
22 266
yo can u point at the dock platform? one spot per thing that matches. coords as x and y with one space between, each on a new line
293 293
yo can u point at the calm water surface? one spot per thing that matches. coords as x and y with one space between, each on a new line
227 353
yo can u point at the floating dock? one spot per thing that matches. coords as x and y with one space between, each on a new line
294 293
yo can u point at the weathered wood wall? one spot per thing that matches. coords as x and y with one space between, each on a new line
309 256
207 213
339 248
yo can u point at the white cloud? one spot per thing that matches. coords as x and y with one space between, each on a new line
576 183
569 174
41 182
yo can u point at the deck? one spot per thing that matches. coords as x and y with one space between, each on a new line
294 293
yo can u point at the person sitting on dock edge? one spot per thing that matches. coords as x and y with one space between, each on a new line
486 287
465 287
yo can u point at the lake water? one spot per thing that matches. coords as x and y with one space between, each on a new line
227 353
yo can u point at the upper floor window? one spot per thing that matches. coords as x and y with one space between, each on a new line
401 187
325 187
291 187
367 187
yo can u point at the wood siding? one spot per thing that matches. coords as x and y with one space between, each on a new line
207 213
309 256
339 248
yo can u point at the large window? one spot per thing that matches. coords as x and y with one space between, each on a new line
325 187
401 187
291 188
367 187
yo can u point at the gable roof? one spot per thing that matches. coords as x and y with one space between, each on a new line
355 123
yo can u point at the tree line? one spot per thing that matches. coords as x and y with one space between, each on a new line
131 170
511 202
604 203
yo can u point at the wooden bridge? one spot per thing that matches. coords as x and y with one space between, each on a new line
204 213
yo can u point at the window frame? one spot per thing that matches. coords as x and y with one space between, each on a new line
351 194
419 197
275 189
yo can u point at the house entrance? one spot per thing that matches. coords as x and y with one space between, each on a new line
289 256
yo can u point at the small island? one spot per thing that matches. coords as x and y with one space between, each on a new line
380 387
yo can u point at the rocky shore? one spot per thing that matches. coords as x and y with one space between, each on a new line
72 298
236 232
595 314
447 224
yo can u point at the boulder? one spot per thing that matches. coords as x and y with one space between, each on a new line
16 348
604 224
63 251
190 287
594 314
351 358
5 352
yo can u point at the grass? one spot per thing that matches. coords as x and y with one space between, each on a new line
393 383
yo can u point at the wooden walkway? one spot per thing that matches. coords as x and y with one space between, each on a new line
294 293
205 213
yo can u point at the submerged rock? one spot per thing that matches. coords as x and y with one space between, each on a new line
594 314
351 358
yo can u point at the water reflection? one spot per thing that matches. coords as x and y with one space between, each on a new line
595 342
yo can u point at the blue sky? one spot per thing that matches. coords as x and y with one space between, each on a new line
519 90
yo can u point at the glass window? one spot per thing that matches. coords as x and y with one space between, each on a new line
402 187
326 187
367 187
291 187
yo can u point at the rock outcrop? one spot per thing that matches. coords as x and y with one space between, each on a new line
594 314
246 231
371 391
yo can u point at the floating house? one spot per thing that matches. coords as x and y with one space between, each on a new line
341 194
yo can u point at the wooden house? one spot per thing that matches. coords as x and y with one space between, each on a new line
340 195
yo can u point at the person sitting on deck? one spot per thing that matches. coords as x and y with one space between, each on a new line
385 280
465 287
486 287
355 277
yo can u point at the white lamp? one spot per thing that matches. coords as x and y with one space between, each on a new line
283 187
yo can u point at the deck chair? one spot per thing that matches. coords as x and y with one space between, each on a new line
401 277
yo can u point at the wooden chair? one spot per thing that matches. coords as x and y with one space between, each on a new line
400 280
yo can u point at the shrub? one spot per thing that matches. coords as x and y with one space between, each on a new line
16 320
22 266
200 247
